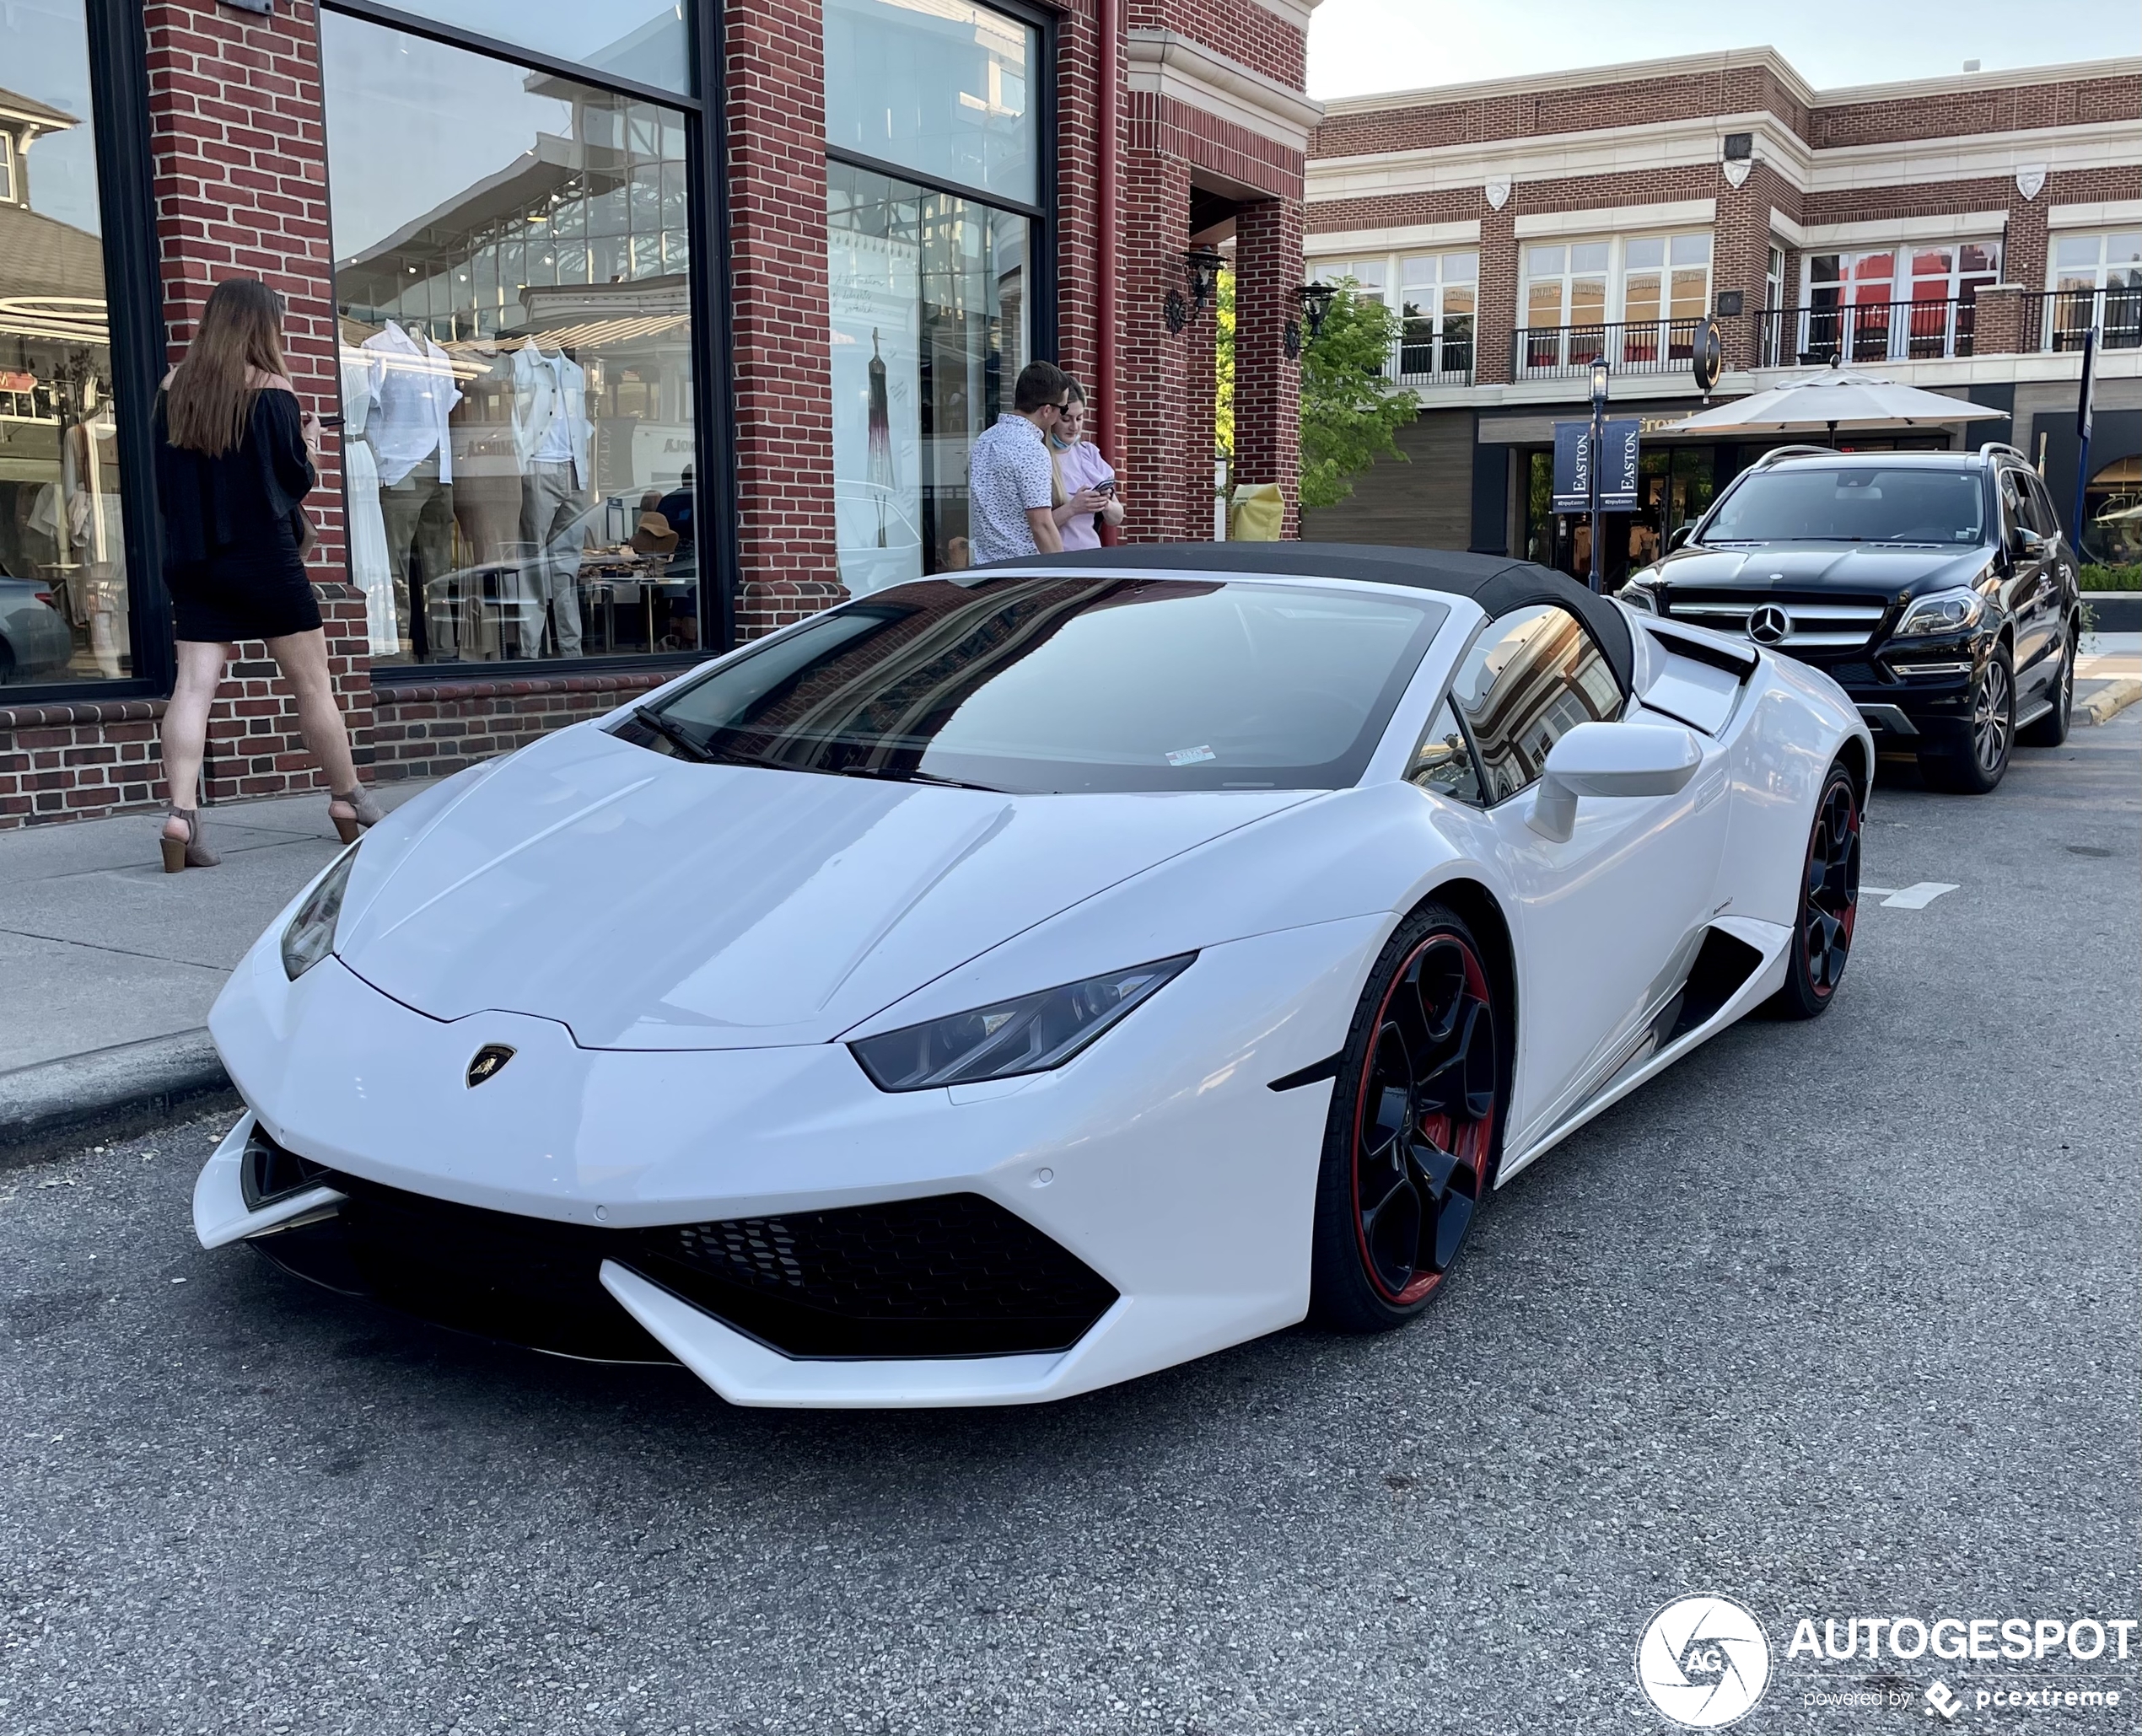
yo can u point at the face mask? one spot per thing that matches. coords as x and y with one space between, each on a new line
1057 440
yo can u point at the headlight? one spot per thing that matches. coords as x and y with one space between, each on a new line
1640 596
1941 612
1028 1035
310 936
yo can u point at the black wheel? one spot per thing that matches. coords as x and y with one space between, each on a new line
1977 768
2051 729
1415 1127
1829 903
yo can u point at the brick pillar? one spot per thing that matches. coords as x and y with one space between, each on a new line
240 165
1201 410
1152 363
1997 321
783 377
1739 253
2024 260
1268 381
1497 316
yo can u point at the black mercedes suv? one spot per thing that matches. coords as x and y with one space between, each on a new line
1935 588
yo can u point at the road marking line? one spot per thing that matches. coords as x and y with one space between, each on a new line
1911 897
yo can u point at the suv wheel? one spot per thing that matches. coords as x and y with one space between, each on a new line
2051 729
1977 767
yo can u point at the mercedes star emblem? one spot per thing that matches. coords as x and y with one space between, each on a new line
488 1059
1769 625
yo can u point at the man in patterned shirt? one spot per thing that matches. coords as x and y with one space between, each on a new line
1011 482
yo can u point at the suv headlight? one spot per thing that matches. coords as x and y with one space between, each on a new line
310 936
1639 595
1941 612
1030 1034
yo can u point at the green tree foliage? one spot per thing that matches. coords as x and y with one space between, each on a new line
1224 366
1349 411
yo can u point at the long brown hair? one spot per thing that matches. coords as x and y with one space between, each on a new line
211 395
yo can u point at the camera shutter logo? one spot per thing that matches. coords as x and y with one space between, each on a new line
1769 625
1703 1662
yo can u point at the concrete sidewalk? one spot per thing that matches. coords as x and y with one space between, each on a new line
109 965
2108 675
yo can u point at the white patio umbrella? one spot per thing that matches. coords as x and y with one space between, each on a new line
1834 397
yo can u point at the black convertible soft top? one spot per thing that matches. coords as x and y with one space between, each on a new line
1496 582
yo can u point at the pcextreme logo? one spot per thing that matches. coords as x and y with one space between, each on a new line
1703 1662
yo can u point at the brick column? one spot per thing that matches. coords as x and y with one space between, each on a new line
1268 381
1498 315
784 377
1739 253
1201 411
1152 363
240 163
1997 321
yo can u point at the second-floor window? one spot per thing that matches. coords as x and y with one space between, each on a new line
1897 303
1635 301
2096 280
1435 296
6 169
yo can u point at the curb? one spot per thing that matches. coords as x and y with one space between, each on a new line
116 1092
2102 707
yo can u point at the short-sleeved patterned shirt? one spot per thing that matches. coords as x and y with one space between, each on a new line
1008 473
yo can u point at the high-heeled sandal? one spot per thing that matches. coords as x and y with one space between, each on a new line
365 813
188 851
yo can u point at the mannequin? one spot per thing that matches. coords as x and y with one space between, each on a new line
552 436
370 570
90 482
413 395
487 495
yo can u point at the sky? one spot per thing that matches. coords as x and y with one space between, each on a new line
1359 47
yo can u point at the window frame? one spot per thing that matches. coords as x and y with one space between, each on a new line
1391 291
712 339
1449 696
117 42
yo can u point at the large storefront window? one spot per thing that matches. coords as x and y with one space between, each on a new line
513 278
932 287
65 612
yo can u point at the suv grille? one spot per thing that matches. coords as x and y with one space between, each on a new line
952 1276
1823 623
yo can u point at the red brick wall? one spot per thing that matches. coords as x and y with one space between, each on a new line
1241 29
1268 382
430 731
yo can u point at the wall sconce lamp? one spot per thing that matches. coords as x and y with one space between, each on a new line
1204 264
1315 300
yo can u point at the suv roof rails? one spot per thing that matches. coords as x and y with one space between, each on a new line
1776 453
1994 449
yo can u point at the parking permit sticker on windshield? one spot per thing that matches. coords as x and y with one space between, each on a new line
1190 756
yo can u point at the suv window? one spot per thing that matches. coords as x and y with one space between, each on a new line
1800 500
1530 679
2037 505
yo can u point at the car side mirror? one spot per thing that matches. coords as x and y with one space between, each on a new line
2031 544
1610 760
1679 535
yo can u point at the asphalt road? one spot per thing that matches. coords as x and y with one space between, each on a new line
1838 1319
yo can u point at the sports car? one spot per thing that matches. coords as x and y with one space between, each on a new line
1018 981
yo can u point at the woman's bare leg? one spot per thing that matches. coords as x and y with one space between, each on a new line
185 721
303 658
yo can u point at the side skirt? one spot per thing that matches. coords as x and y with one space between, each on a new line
1702 1008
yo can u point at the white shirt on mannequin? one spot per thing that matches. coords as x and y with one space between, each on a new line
413 395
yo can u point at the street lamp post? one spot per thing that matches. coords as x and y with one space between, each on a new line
1598 456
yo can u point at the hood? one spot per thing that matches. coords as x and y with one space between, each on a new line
649 903
1826 566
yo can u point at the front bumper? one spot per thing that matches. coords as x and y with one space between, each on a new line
1158 1161
1913 700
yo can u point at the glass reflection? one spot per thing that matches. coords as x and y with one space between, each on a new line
928 334
63 583
513 276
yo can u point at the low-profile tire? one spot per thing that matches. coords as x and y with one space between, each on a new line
2051 729
1977 766
1415 1127
1829 903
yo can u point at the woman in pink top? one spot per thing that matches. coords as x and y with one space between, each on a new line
1089 491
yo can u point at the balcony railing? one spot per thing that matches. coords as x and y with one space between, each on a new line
2062 316
1427 357
1628 347
1928 331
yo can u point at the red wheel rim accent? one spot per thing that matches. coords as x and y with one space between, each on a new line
1424 1119
1830 891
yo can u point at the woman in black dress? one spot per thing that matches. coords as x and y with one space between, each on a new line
234 459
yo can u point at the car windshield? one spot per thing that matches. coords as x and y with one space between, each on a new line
1065 685
1805 503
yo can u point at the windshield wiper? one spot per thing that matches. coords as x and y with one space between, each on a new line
884 776
674 734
